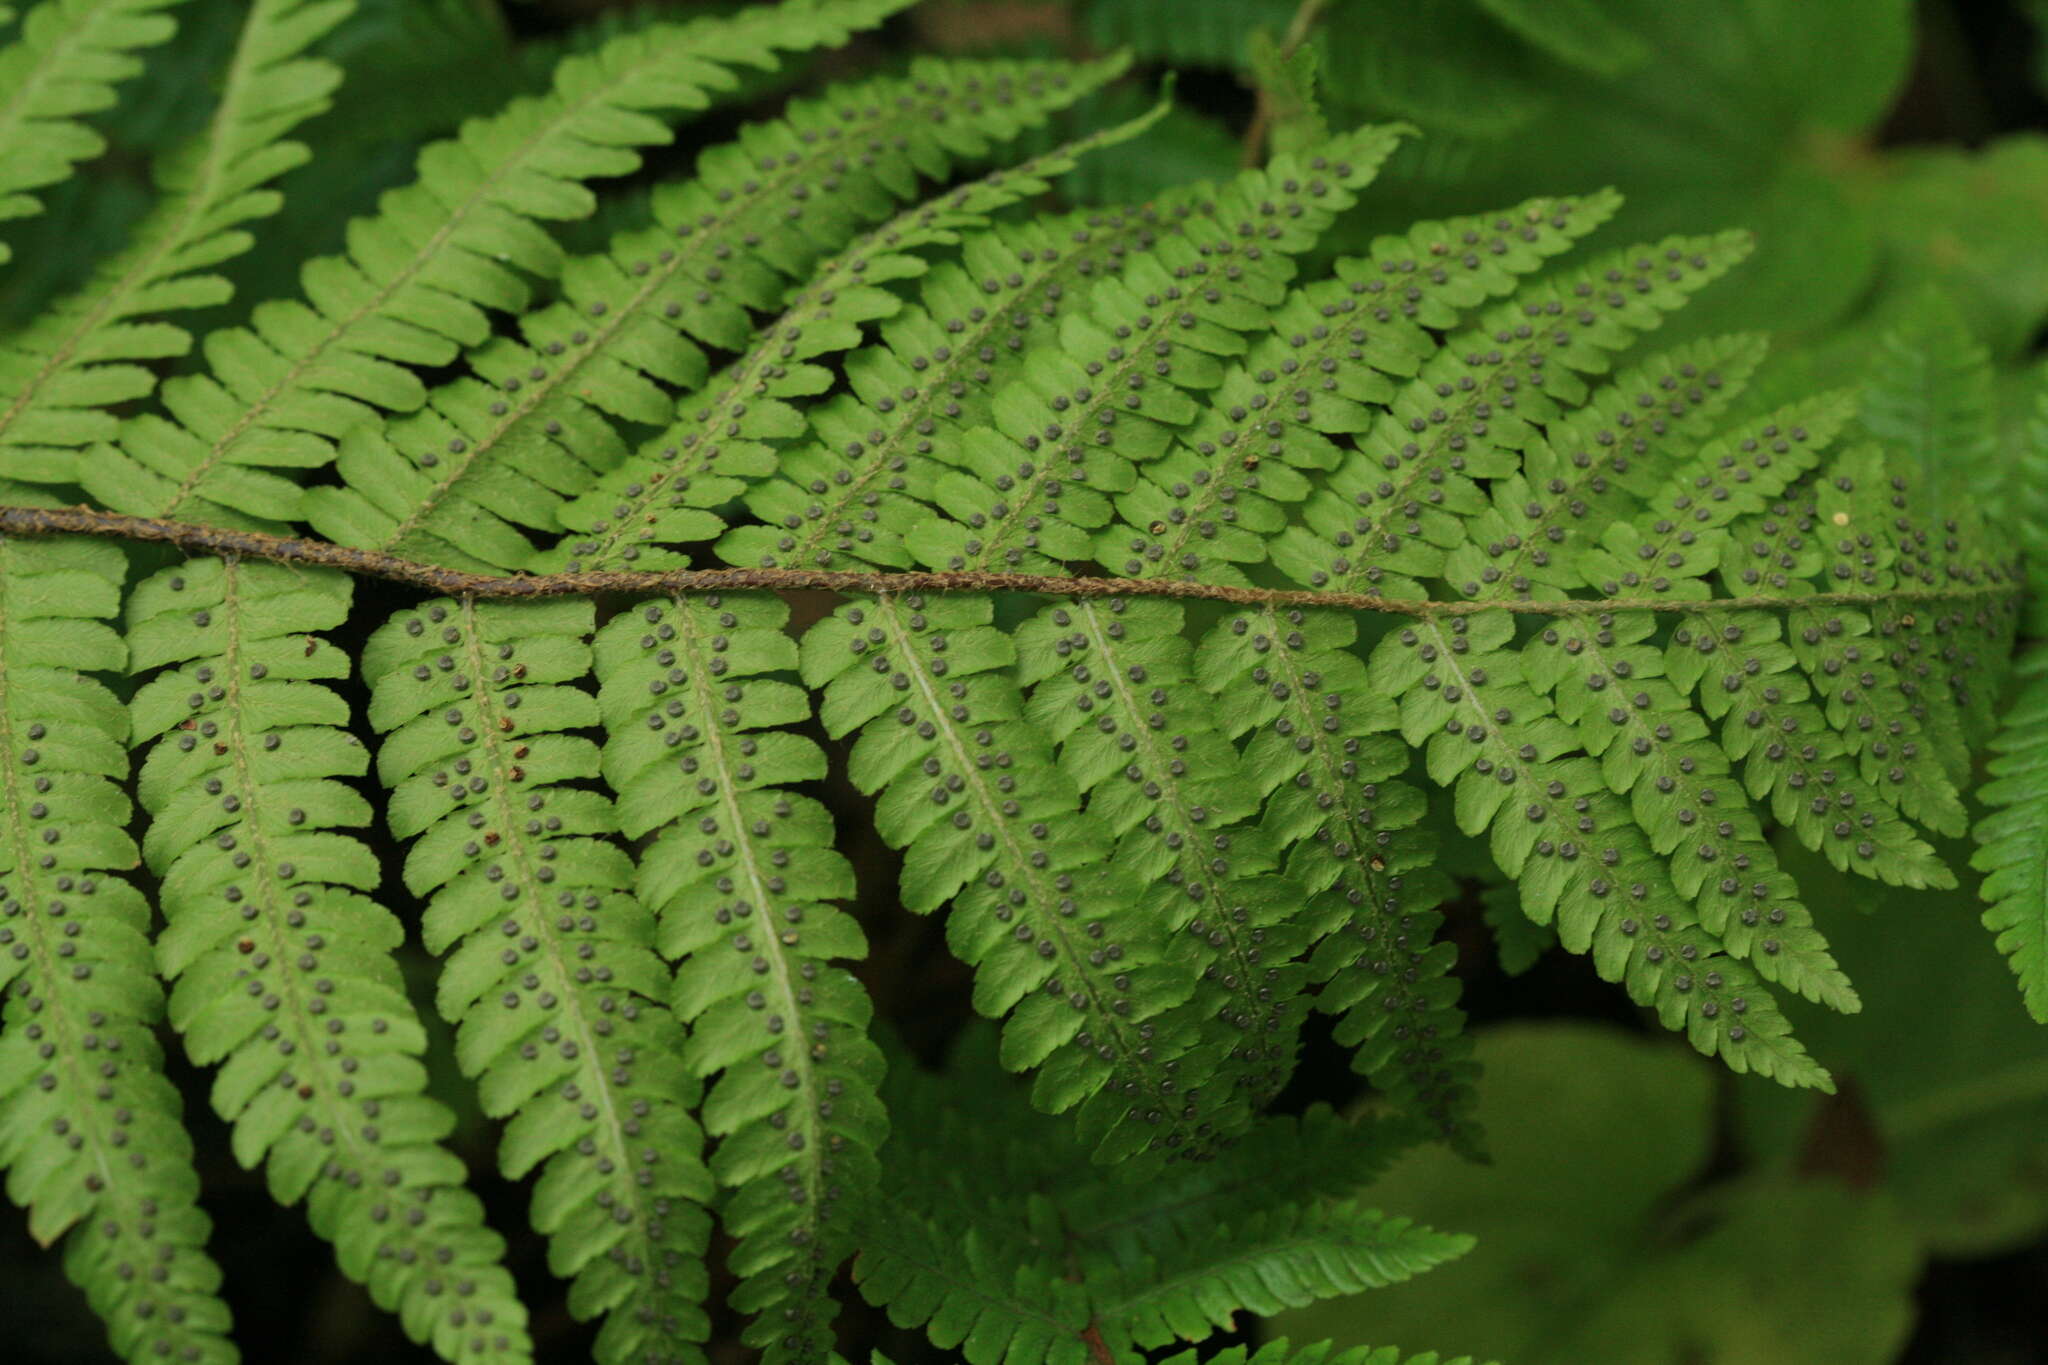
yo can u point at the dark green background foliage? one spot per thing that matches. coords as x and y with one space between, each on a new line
1409 1031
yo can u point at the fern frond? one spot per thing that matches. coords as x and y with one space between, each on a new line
1325 773
90 1131
63 65
1578 855
1607 683
664 494
967 787
420 277
61 375
2012 836
1598 464
1112 686
282 966
874 467
1863 697
1285 1258
699 748
1928 398
502 449
984 1238
552 979
2012 833
1114 389
1393 505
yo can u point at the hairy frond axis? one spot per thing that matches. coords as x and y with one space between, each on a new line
501 449
63 65
551 979
90 1131
421 276
61 376
282 966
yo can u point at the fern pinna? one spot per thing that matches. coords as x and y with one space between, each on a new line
1176 578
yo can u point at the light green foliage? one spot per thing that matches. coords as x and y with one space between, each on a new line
64 63
1436 584
984 1239
89 1126
420 277
1596 1243
60 377
501 449
281 964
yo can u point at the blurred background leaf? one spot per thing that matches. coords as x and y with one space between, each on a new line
1601 1239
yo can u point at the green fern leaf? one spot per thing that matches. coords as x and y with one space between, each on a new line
2012 837
1112 686
1285 1258
985 1239
665 493
945 363
1029 494
90 1132
1324 769
65 62
503 448
1862 695
1928 398
420 278
1248 455
551 977
1392 505
1565 837
969 790
61 375
282 966
1605 677
1599 464
699 750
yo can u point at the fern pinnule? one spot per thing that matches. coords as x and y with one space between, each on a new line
968 788
421 276
552 980
662 496
2012 833
64 62
741 872
1391 506
1324 770
1214 500
1607 680
1031 488
1577 853
1112 686
283 967
60 376
947 362
90 1131
985 1237
1599 463
532 427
